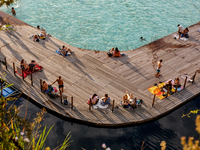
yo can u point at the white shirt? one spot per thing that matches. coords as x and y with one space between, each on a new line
180 28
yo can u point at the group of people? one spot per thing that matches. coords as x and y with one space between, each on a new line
42 35
64 51
49 88
169 85
94 99
182 32
129 100
29 67
115 52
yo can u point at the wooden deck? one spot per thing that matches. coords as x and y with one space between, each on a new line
87 72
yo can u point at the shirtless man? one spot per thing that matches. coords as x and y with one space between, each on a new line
13 11
60 83
158 68
180 30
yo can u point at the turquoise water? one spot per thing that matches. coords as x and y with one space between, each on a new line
101 24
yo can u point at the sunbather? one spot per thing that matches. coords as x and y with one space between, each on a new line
177 83
23 65
32 67
38 27
94 99
36 38
115 52
105 100
126 102
46 87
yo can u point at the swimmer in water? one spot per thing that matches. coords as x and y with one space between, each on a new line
142 39
13 11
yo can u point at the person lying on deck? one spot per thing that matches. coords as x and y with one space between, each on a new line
105 100
31 66
36 38
46 87
23 65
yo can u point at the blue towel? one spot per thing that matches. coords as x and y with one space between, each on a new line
58 52
7 91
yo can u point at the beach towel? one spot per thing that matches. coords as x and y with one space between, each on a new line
181 38
26 73
157 90
58 52
98 105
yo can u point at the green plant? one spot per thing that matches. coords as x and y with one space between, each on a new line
19 133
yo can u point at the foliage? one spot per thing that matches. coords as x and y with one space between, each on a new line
7 27
19 133
192 145
7 2
191 112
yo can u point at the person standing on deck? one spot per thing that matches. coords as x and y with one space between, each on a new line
158 68
60 83
13 11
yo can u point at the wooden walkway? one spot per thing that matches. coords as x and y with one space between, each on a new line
87 72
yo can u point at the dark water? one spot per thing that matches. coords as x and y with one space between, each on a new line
169 128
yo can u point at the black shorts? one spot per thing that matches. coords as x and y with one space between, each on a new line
61 86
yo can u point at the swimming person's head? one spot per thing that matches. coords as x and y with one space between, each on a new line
178 25
12 8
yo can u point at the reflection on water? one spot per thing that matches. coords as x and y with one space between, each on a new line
170 128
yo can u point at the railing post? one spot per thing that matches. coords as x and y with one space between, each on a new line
90 105
22 74
61 97
134 104
185 82
72 102
14 68
41 85
1 88
167 92
153 100
31 79
113 105
5 63
194 77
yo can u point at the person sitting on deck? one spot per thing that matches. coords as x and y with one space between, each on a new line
185 33
38 27
64 50
177 83
23 65
47 88
167 86
94 99
180 30
32 67
126 102
36 38
105 100
115 52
